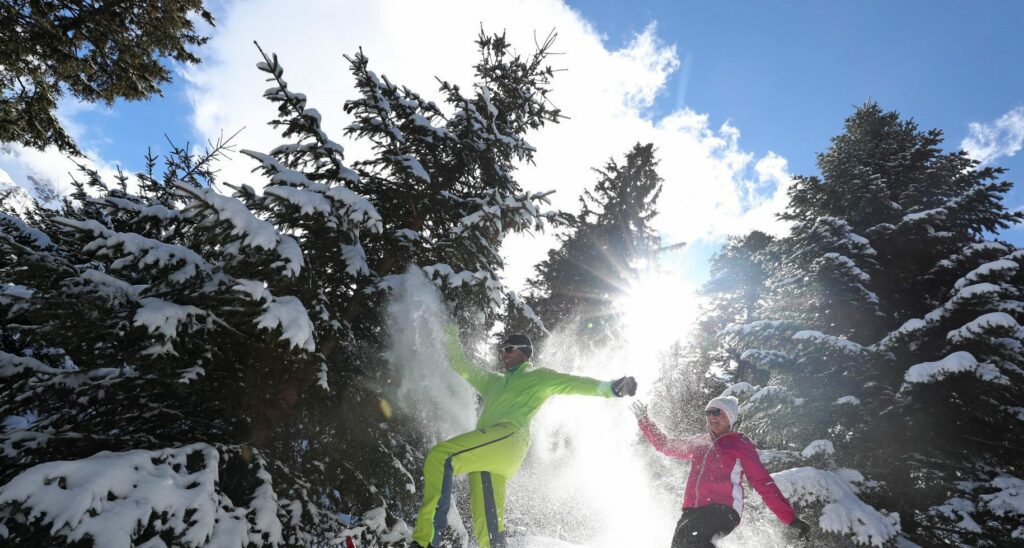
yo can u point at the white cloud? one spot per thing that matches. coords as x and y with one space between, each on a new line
41 172
712 187
1003 137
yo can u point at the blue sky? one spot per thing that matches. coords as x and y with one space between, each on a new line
788 73
782 76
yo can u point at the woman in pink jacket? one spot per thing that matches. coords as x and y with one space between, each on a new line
721 458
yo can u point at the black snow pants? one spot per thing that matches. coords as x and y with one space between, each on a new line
697 527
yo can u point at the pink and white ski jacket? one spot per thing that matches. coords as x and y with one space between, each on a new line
719 465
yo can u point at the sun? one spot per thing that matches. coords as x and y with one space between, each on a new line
657 310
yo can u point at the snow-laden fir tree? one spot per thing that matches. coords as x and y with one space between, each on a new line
183 367
880 350
140 329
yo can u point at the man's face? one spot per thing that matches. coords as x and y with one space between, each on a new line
717 424
511 359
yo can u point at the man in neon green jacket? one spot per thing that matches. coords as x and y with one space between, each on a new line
493 452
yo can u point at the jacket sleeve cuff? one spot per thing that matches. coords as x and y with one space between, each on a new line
605 389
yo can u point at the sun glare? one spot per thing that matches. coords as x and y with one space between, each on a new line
658 310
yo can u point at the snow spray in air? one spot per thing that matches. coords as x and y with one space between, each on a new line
590 477
441 403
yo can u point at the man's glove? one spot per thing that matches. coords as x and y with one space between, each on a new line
626 386
639 409
803 530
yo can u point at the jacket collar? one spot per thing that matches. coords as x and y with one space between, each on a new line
723 436
517 368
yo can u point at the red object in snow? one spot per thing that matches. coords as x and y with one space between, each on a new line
349 543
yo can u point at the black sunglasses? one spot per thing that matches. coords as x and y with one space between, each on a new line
713 412
510 348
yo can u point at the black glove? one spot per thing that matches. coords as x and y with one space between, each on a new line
626 386
803 530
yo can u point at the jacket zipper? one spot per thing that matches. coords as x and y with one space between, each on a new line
714 446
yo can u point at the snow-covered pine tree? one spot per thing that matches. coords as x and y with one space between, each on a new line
446 178
141 334
959 407
879 346
926 213
577 285
443 195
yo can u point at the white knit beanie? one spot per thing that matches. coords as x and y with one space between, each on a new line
729 405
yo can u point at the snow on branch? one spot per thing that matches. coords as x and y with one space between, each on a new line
957 362
767 359
444 276
836 343
112 498
760 330
11 365
139 250
165 318
501 212
254 232
155 212
982 325
986 271
818 447
844 512
287 313
15 228
1009 500
970 251
519 304
335 202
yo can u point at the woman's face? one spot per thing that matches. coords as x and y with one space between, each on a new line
719 424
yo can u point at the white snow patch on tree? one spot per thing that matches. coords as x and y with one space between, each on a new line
957 362
112 497
139 251
38 238
16 291
163 317
738 389
837 343
818 447
843 513
972 291
986 270
256 290
959 508
848 400
978 326
290 315
1009 500
11 365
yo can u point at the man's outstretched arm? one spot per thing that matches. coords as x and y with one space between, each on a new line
473 373
566 384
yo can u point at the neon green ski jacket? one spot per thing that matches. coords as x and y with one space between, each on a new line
516 395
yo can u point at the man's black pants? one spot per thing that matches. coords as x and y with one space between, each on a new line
698 526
